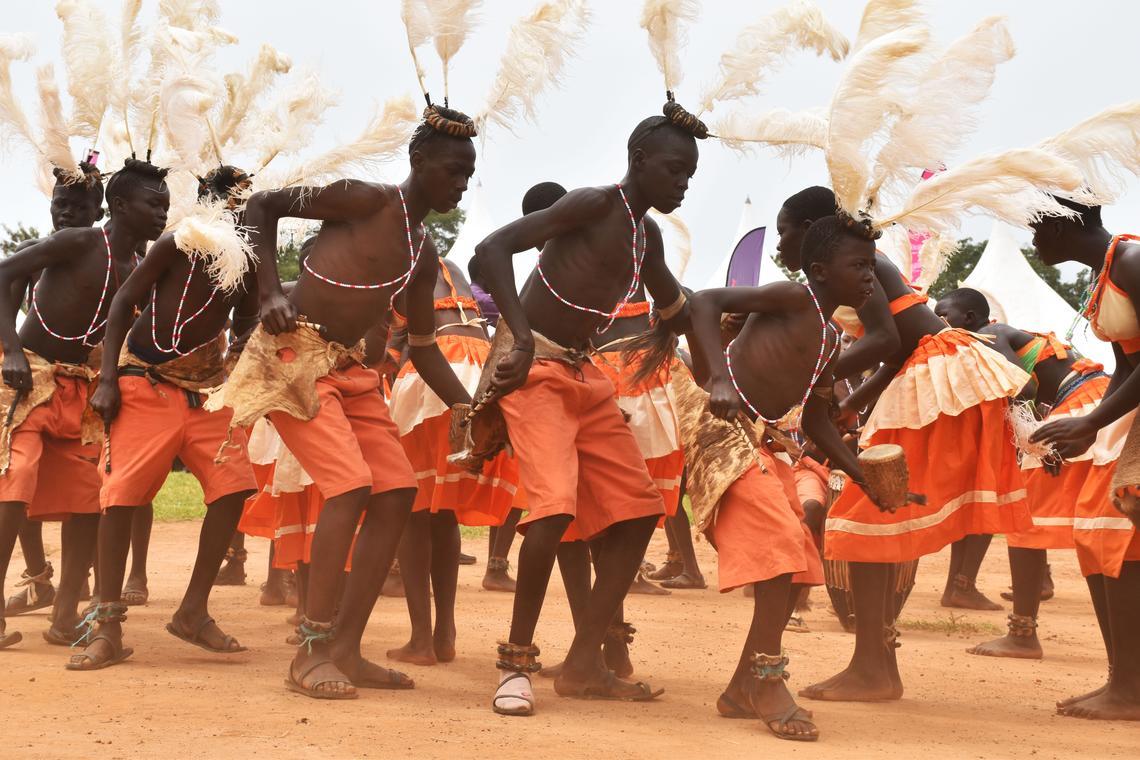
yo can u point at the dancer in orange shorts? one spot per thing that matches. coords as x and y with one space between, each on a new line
744 498
578 460
448 496
308 374
150 398
46 370
1108 542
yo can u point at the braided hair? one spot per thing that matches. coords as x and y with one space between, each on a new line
89 178
133 174
220 183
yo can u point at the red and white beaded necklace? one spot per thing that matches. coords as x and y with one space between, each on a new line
404 279
96 324
819 362
634 284
179 323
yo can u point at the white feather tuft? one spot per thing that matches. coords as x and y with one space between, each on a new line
210 232
789 133
536 52
882 17
681 241
92 63
767 43
386 134
55 144
13 121
1016 187
866 98
451 21
664 21
1104 147
188 92
942 111
243 90
289 126
417 27
190 14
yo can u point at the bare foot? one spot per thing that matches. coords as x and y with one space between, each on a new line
232 573
1089 695
498 577
685 581
443 642
855 686
366 674
552 672
414 653
393 584
643 586
603 684
615 649
1107 705
969 598
1018 647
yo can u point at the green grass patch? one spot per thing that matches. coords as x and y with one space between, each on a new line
951 625
180 499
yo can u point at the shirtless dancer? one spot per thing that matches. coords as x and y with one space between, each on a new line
448 496
1062 385
940 466
1108 544
371 248
578 460
80 272
747 504
73 204
150 397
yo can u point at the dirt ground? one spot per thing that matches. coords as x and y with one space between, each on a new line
173 701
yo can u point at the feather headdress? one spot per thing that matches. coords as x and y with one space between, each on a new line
761 46
210 233
1104 147
451 21
941 111
385 134
55 144
13 120
417 27
789 133
243 89
885 16
537 49
289 124
91 61
664 21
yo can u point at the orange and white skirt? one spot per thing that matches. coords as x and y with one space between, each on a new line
650 408
424 422
948 409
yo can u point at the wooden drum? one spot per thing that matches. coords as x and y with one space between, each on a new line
884 468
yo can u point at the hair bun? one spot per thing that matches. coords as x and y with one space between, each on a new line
677 115
861 226
449 121
145 168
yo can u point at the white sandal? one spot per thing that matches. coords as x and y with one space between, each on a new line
512 697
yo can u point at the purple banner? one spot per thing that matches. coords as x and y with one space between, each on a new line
744 266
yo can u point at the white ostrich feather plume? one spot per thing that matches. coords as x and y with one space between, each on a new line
243 90
92 63
1105 147
884 16
537 49
788 133
209 232
451 22
664 21
55 144
762 46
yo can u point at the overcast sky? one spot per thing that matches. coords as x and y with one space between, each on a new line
1072 61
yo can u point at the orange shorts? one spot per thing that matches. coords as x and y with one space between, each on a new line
576 454
48 442
1105 538
256 519
758 532
649 407
811 481
156 423
352 442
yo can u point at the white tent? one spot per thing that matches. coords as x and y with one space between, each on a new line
769 271
1020 298
476 226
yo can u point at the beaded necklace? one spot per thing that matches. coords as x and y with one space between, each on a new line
404 279
634 284
819 362
179 323
96 324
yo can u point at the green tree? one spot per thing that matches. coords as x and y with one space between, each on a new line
13 237
444 228
963 261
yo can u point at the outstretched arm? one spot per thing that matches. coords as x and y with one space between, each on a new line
706 308
574 210
423 351
340 201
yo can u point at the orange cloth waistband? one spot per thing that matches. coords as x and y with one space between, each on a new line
633 309
456 302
